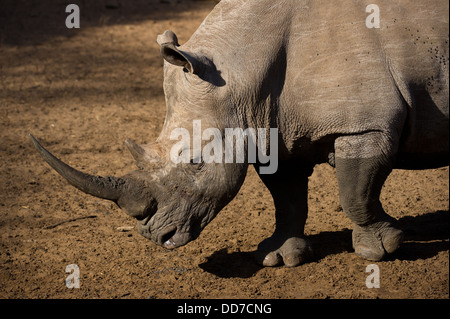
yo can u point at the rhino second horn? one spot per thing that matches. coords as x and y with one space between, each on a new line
135 149
141 155
103 187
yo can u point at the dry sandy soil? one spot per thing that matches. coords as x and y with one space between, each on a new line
82 92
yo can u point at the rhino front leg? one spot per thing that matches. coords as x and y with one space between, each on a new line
288 186
363 162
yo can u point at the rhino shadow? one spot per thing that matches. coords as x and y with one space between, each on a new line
231 265
425 236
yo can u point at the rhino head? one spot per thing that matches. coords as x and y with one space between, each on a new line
172 202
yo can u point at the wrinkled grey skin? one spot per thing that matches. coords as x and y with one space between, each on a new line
364 100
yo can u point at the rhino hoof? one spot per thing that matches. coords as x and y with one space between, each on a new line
374 242
275 251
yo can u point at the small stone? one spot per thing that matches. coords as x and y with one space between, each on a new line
124 228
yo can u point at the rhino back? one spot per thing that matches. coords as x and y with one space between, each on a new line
314 69
352 75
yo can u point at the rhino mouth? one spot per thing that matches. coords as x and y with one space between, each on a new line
170 236
169 239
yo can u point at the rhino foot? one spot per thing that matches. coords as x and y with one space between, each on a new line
374 241
276 250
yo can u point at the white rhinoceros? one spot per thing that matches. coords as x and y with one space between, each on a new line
366 98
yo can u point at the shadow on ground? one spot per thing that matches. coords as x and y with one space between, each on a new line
425 237
28 22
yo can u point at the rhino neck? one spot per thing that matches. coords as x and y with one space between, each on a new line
254 73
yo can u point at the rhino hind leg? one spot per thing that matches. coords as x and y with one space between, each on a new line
363 164
288 245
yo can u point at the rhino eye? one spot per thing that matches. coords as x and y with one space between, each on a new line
196 165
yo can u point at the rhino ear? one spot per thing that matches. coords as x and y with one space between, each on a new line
167 37
170 52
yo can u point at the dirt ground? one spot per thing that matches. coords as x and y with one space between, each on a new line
82 92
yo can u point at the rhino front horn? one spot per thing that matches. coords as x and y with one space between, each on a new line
103 187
